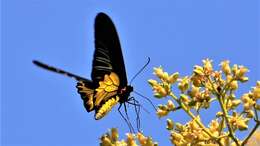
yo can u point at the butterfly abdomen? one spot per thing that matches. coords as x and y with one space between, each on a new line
106 107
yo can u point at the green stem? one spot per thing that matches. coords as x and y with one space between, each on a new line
253 130
192 116
227 122
251 133
223 108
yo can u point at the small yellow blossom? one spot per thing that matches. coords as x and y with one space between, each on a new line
225 67
248 102
158 71
114 134
197 80
184 84
130 140
169 124
170 105
198 70
162 111
207 66
235 103
250 114
105 141
241 71
173 78
153 82
256 92
239 122
233 85
195 91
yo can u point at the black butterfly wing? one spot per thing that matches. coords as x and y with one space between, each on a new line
108 55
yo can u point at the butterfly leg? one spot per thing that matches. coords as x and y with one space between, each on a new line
125 119
137 111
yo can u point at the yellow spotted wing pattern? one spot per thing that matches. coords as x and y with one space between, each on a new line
103 98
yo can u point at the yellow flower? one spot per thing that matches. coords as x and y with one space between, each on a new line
130 140
161 92
235 103
235 69
184 84
241 71
114 134
250 114
170 105
173 78
207 66
248 102
198 70
158 71
195 91
105 141
169 124
162 111
239 122
153 82
225 67
256 91
233 85
197 80
242 124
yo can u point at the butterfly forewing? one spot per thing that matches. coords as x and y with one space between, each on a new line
108 56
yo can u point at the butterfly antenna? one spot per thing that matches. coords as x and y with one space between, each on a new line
140 70
146 99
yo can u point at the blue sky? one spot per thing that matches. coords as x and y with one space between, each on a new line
42 108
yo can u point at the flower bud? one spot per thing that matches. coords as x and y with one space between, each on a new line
241 71
105 141
170 105
152 82
130 140
142 139
256 92
170 124
250 114
173 78
162 113
242 124
184 84
207 66
158 71
243 79
114 134
198 70
233 85
235 103
225 67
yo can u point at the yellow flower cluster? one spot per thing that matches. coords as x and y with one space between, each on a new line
111 139
162 88
204 88
198 91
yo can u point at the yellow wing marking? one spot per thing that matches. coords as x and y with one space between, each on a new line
107 88
106 108
87 95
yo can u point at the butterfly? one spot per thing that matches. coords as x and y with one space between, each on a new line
108 85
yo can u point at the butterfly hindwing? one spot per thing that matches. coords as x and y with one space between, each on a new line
106 96
86 91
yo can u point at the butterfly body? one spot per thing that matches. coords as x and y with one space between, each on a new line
108 85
